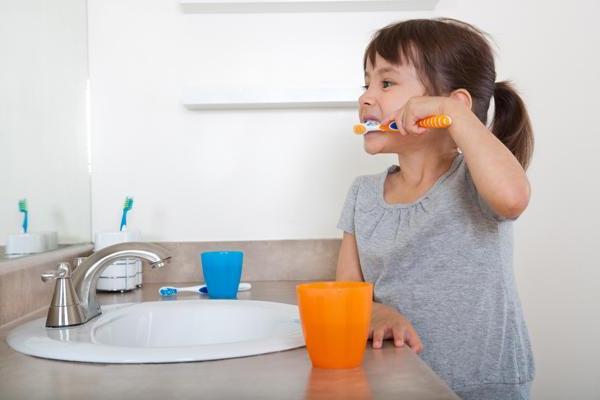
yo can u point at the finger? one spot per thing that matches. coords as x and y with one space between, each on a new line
417 130
378 334
412 117
397 116
413 340
401 129
409 122
400 122
399 335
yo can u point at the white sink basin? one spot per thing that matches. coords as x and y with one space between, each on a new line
167 331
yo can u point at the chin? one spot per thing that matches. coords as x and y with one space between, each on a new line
372 149
375 143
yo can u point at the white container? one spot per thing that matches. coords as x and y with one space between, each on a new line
121 275
31 242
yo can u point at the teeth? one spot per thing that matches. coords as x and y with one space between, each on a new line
371 122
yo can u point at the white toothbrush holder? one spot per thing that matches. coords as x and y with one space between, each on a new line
122 275
31 242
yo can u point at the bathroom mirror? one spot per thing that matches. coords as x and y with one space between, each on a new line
43 119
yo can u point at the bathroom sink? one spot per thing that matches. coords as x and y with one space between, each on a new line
167 331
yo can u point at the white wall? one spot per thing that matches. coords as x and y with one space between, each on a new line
220 175
217 176
43 143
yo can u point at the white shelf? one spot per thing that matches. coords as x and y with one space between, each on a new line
266 6
240 99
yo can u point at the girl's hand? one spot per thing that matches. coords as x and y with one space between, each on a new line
415 109
387 323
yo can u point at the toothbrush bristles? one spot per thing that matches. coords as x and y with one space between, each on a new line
128 203
23 205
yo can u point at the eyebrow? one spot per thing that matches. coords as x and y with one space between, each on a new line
381 71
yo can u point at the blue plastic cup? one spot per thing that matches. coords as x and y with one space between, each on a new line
222 273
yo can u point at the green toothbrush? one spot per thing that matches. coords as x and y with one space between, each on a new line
128 205
23 209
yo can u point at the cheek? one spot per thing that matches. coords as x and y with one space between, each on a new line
392 103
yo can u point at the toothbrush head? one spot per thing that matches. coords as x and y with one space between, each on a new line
167 291
359 129
128 205
23 205
367 126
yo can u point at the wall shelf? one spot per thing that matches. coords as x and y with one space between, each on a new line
240 99
266 6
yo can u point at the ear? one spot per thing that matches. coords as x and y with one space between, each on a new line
463 96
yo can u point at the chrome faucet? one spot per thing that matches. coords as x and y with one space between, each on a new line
83 280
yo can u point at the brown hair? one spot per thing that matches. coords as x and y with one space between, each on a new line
449 54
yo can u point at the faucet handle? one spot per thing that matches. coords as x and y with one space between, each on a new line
65 309
62 271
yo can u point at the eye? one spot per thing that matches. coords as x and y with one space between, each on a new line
386 84
365 86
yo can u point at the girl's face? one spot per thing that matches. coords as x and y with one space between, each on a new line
388 88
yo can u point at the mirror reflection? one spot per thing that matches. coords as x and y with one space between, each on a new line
44 174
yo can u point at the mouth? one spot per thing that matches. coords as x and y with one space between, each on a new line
369 119
372 134
373 126
368 124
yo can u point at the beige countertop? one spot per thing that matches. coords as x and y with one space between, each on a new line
387 373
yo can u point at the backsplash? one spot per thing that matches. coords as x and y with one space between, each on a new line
269 260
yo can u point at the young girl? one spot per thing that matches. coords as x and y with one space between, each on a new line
434 234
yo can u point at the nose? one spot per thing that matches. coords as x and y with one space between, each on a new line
366 99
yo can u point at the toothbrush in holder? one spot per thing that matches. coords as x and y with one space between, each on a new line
127 206
23 209
435 121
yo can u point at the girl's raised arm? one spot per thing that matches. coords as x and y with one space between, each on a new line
497 174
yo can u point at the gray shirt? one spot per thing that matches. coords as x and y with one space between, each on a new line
445 262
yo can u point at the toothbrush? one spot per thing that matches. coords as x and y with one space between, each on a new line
23 209
435 121
126 207
171 291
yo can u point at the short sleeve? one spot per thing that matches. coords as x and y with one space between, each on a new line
346 221
485 208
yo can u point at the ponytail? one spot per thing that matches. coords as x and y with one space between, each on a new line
511 122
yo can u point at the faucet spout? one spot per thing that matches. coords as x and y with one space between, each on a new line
86 275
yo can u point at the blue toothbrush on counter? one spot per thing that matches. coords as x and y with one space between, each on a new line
127 206
172 291
23 209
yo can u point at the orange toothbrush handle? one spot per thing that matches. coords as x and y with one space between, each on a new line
435 121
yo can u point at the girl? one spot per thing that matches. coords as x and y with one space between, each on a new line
434 234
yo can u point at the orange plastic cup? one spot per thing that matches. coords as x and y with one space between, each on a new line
335 321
